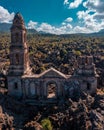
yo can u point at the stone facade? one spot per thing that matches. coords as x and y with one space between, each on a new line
51 84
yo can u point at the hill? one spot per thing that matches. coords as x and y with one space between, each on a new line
100 33
33 31
5 27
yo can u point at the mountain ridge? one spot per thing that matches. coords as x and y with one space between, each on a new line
5 28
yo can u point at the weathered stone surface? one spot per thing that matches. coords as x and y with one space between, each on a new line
23 84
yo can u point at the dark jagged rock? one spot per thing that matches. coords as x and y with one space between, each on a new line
6 121
85 114
97 120
33 125
99 102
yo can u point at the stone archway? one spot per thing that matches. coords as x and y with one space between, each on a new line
51 90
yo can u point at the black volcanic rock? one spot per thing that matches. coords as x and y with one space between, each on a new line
33 125
87 113
6 121
97 120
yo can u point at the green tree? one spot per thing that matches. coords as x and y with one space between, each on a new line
78 53
46 124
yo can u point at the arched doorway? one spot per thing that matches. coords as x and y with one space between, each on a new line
51 90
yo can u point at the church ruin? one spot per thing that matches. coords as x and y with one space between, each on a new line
51 84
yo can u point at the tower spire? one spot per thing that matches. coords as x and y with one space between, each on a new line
19 59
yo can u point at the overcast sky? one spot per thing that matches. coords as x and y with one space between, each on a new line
56 16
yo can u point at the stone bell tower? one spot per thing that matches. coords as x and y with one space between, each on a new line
86 73
19 59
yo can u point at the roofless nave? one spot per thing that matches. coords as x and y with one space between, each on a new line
51 84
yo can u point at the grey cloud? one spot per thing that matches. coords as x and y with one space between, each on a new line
99 16
97 5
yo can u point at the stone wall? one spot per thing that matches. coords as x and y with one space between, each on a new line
22 83
15 86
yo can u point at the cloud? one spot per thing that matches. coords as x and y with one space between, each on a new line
90 19
72 5
69 26
82 14
79 29
93 18
66 2
75 4
99 15
32 25
91 22
5 16
64 23
45 27
89 25
95 5
69 19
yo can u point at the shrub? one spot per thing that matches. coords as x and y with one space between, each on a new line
46 124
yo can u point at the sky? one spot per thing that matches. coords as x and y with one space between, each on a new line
56 16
